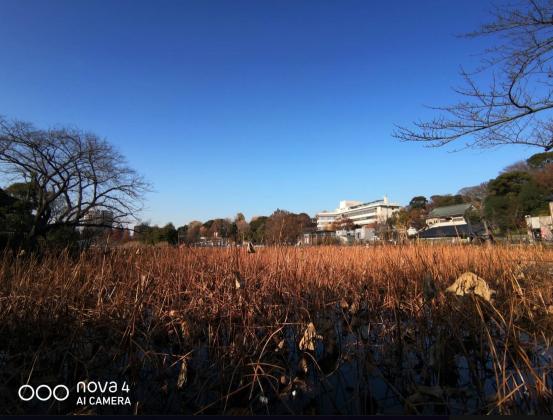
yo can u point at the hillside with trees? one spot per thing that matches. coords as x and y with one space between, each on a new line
521 189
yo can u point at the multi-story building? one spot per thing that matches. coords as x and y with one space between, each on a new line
361 214
99 219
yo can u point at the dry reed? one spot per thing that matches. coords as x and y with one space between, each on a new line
218 330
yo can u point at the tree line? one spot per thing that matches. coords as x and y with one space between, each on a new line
281 227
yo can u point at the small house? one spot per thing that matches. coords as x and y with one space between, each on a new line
450 222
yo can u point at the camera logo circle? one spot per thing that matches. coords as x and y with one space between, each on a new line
44 392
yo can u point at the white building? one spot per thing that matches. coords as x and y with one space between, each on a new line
365 234
541 227
361 214
100 219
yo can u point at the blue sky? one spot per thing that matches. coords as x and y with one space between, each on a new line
228 106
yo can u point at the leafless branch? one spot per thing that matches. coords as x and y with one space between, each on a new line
516 106
74 174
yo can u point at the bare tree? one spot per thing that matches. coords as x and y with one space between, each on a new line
520 166
515 108
193 232
72 175
476 195
242 226
284 227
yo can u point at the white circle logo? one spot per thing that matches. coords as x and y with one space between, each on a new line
44 392
43 398
22 387
66 392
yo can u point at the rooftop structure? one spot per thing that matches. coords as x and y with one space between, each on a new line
448 215
450 211
458 231
450 222
361 214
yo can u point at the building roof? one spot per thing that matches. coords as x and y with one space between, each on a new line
450 211
461 231
345 209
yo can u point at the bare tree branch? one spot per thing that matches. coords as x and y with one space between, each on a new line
516 108
74 175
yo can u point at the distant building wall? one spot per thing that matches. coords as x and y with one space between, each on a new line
361 214
365 234
318 238
540 228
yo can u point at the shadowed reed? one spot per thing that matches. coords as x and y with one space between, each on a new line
323 330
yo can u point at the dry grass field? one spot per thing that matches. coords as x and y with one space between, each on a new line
317 330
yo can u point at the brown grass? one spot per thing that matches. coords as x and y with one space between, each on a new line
218 330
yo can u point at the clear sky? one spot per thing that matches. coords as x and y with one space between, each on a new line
228 106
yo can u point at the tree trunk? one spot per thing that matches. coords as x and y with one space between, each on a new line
487 232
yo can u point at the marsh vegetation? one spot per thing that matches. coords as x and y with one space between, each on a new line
322 330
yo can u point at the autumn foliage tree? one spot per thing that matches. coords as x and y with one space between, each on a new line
284 227
343 223
413 215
